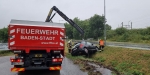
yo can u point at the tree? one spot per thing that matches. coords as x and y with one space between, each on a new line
93 27
69 30
4 34
121 31
108 27
97 25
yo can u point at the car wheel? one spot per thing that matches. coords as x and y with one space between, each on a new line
86 52
74 53
99 49
96 48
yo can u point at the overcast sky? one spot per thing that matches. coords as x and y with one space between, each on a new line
117 11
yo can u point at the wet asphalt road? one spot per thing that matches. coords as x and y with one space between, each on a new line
68 68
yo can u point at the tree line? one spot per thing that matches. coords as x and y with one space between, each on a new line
93 28
4 34
141 35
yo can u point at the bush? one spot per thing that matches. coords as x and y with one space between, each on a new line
120 31
110 34
125 35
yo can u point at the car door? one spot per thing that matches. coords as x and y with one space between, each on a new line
90 45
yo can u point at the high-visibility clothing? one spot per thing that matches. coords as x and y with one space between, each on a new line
101 42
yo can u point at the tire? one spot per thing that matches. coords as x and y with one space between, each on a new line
74 53
97 48
87 54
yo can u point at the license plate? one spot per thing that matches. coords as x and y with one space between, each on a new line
38 55
17 63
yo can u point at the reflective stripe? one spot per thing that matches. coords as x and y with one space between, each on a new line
52 68
21 69
55 68
17 69
58 68
14 69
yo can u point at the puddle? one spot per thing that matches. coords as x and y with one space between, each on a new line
101 69
96 68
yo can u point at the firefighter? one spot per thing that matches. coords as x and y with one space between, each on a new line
101 44
69 45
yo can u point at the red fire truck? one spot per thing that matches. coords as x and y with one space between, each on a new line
38 45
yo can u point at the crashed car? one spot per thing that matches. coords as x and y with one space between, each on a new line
83 48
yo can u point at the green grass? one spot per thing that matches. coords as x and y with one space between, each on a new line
5 53
126 61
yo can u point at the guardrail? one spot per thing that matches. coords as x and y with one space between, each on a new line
3 46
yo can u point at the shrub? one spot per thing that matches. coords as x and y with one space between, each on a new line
120 31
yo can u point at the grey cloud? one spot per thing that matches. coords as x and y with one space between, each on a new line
117 11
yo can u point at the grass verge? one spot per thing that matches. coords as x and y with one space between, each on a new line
5 53
126 61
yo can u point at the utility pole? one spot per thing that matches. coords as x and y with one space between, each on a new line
104 24
122 24
131 25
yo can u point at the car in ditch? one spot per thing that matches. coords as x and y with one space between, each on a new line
83 48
